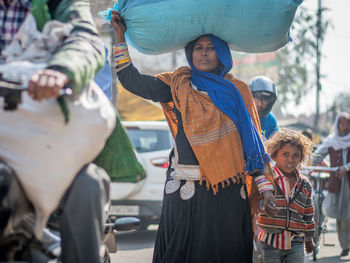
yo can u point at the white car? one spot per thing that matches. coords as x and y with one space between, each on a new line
153 142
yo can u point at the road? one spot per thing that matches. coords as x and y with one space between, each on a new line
137 247
330 248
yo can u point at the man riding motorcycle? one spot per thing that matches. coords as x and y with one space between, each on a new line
264 95
75 63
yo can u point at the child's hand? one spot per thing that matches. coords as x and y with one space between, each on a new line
269 203
309 246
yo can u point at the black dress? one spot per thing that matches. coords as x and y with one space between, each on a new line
206 228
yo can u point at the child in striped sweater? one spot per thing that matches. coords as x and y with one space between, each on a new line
283 236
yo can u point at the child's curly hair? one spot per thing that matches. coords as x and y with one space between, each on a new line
285 136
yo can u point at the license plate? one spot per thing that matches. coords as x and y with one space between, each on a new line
128 210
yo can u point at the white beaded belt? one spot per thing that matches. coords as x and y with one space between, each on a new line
190 173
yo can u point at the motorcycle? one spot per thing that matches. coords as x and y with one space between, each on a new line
22 245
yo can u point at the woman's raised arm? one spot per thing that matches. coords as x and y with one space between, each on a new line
145 86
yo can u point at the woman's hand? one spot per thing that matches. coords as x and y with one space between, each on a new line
118 26
309 246
269 203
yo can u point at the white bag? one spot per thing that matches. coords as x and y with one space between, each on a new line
45 152
35 141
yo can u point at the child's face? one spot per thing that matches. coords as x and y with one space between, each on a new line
288 158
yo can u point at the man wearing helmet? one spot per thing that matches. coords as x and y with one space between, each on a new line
264 94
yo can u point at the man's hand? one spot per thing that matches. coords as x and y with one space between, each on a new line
341 173
46 84
269 203
309 246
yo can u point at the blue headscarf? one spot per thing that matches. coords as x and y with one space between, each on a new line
228 99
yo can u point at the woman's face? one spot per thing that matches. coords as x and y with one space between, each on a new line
343 126
288 158
204 57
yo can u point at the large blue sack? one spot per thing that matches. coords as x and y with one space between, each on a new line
253 26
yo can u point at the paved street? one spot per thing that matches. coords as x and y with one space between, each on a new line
330 249
137 247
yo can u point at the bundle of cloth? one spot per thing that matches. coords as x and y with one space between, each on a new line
252 26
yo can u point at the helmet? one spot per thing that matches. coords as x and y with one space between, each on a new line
263 88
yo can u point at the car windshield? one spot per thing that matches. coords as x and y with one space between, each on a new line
150 140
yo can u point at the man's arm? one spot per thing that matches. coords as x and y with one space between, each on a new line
82 54
346 165
319 155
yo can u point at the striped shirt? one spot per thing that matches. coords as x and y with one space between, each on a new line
11 18
295 215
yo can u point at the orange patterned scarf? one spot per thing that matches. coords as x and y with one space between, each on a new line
212 134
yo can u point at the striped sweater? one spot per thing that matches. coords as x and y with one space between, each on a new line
295 215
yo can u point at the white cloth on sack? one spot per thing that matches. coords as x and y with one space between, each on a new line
45 152
31 49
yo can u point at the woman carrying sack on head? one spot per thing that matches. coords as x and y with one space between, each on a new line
206 215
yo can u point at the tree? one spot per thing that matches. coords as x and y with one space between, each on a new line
342 102
298 59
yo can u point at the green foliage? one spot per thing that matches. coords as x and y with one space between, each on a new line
297 61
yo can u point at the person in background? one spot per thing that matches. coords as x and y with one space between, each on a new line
104 77
308 133
283 236
337 146
264 94
206 215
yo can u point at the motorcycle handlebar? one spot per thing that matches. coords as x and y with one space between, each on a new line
124 224
11 91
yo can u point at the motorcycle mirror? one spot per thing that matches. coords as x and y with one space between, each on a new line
126 224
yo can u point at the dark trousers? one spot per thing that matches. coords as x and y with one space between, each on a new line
82 216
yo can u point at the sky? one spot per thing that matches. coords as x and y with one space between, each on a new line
335 63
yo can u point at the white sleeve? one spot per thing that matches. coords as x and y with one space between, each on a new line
319 155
